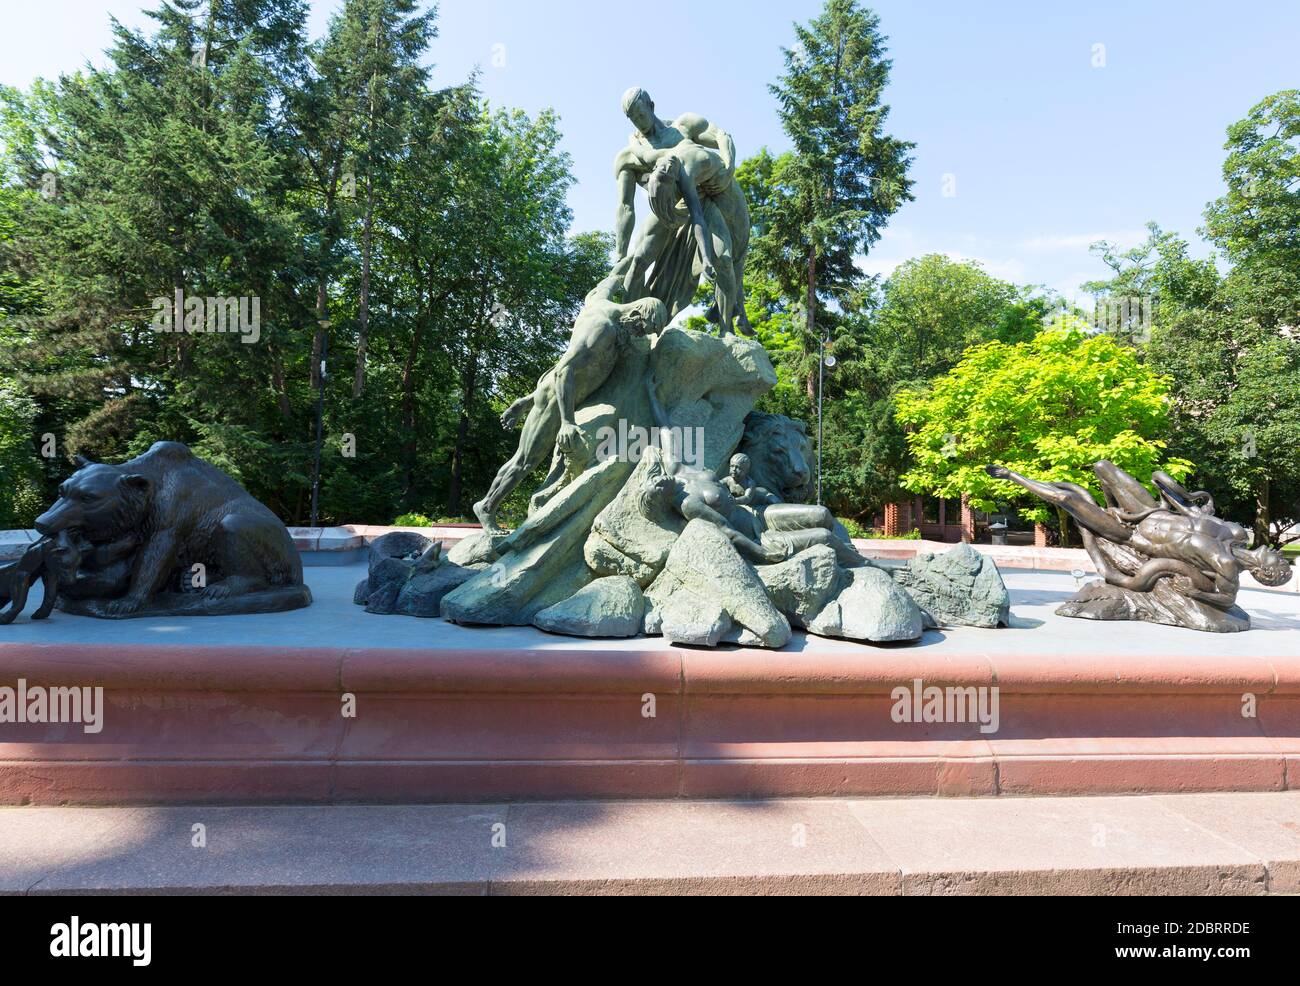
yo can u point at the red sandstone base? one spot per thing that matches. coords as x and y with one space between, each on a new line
248 724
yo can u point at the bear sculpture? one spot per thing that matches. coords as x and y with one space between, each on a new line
167 534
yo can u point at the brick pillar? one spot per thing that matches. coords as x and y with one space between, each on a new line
1040 536
967 519
891 520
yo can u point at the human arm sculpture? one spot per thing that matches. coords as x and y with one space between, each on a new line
625 213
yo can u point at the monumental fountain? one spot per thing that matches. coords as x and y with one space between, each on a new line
709 631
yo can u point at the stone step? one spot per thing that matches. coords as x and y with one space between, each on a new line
1218 844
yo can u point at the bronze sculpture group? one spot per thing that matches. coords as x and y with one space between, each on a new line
694 550
1167 560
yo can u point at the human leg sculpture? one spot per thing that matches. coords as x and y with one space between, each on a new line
652 240
802 525
726 287
1074 500
535 443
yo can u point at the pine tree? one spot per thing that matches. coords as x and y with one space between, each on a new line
845 176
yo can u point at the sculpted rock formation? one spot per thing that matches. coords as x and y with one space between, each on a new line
167 534
704 574
609 607
407 574
710 384
859 603
870 607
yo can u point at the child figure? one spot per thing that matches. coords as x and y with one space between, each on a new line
742 489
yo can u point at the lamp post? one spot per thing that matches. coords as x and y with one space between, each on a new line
320 412
825 361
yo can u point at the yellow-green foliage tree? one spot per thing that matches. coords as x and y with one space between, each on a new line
1047 408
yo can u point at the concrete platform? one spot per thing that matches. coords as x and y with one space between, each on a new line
1219 844
250 709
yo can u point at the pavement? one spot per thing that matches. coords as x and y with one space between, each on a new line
1216 844
333 620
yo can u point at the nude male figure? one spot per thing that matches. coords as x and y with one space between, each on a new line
722 199
601 333
653 134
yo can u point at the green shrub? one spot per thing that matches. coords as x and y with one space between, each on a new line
412 520
912 535
855 529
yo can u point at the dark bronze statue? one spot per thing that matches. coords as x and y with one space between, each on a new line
167 534
52 560
1164 561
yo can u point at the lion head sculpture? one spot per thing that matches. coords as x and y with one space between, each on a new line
779 453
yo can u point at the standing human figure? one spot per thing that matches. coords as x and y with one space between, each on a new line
669 245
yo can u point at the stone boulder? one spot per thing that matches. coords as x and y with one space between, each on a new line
389 563
801 586
685 618
870 607
706 586
607 607
421 594
407 574
960 587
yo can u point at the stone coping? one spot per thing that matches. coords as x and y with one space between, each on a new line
350 537
588 668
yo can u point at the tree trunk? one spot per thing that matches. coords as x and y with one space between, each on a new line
462 435
409 448
363 303
277 382
318 337
1063 519
1263 515
363 306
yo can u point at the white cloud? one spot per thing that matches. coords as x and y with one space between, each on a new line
882 266
1068 288
1060 261
1008 269
1124 239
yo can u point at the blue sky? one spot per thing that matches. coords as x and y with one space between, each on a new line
1047 152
